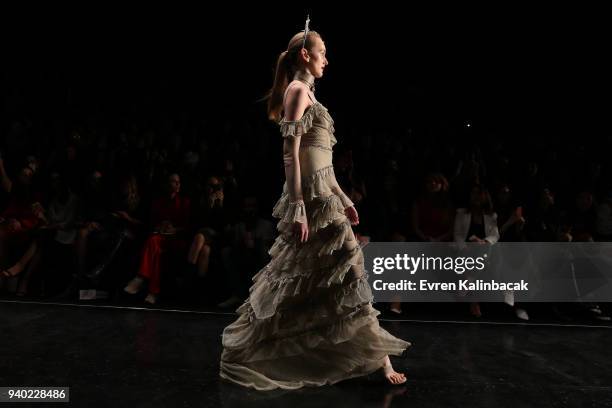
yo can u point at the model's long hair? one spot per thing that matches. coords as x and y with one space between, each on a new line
286 66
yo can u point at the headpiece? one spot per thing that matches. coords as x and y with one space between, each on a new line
306 29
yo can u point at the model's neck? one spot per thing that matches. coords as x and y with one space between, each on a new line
306 77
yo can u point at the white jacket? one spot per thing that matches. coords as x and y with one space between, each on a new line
463 219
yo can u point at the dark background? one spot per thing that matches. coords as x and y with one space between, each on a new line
515 72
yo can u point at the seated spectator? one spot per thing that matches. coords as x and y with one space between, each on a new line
432 212
18 222
170 215
58 232
510 215
213 220
477 224
99 242
545 219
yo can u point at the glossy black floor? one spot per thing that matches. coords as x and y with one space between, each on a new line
117 357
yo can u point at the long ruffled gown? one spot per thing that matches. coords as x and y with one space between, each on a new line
309 319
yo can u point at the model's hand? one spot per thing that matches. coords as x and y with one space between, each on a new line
351 214
301 231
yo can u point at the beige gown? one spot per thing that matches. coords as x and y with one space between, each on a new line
309 319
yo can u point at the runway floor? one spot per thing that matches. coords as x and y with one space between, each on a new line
145 357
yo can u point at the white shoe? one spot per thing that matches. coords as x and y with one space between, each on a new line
509 298
134 285
151 299
521 314
595 310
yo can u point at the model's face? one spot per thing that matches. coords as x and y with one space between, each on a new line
317 60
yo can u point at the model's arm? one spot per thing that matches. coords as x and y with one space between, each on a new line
292 128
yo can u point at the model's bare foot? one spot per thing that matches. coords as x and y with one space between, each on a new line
391 375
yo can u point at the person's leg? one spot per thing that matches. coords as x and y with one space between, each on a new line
115 240
203 260
357 272
32 266
81 249
22 262
149 266
199 253
196 246
393 376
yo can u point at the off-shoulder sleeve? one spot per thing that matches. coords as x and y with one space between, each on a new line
291 128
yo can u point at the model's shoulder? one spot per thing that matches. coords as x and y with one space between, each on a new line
297 90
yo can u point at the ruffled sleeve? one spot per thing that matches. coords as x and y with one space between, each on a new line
291 128
290 211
